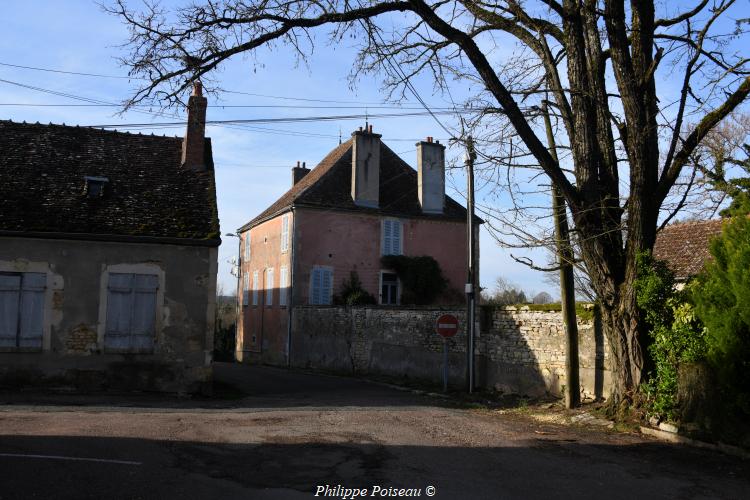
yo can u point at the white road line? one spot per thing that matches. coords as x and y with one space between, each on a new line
77 459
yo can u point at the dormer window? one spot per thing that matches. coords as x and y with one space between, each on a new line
94 186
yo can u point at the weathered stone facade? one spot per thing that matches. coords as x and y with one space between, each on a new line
518 350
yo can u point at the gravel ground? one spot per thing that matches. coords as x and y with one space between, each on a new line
284 434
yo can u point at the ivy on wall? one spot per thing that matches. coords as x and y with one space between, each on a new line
422 280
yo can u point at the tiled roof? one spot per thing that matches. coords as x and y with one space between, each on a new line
685 246
148 193
328 186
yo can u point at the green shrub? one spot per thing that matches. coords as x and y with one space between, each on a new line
352 293
722 299
677 336
422 280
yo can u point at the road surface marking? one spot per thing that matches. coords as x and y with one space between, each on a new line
78 459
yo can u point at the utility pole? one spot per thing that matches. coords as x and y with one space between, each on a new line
567 287
470 264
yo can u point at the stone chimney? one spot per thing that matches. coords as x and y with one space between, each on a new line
431 176
299 173
195 136
366 167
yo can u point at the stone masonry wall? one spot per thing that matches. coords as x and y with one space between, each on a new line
517 350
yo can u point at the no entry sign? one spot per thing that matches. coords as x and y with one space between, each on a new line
447 325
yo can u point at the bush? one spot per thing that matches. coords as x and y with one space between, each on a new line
422 280
677 336
352 293
722 302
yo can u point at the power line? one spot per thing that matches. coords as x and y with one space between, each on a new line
268 96
259 106
50 70
301 119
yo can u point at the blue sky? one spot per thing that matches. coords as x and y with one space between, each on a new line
252 166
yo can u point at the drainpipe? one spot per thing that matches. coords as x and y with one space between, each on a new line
290 294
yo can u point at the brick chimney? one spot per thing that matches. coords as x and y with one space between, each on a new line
195 136
366 167
299 173
431 176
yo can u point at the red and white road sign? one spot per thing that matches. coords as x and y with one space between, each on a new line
447 325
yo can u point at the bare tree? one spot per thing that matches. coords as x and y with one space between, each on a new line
627 144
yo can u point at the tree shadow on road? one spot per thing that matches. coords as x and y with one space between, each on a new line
283 466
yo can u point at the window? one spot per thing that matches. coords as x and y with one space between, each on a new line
269 287
321 285
285 233
391 238
283 285
246 289
247 246
255 288
389 289
131 312
95 186
22 310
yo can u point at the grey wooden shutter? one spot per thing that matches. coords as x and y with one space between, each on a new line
119 311
32 310
10 297
143 323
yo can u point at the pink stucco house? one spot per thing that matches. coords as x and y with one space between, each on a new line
359 203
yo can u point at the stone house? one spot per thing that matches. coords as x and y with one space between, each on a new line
359 203
108 256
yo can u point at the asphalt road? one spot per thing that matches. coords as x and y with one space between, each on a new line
280 434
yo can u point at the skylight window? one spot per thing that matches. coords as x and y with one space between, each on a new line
95 186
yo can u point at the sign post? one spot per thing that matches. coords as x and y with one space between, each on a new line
446 326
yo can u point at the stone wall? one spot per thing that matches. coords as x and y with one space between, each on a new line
517 350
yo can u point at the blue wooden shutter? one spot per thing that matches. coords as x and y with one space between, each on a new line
269 287
10 297
143 322
284 233
396 237
32 310
283 285
245 289
387 237
247 246
255 288
326 286
119 311
316 286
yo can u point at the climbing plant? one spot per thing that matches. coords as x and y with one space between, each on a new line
422 280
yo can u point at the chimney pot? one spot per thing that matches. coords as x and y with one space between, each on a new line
370 129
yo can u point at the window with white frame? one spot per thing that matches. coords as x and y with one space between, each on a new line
391 237
389 290
283 285
321 285
131 312
22 310
269 287
285 233
247 246
245 289
255 288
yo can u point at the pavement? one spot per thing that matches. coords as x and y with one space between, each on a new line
278 434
